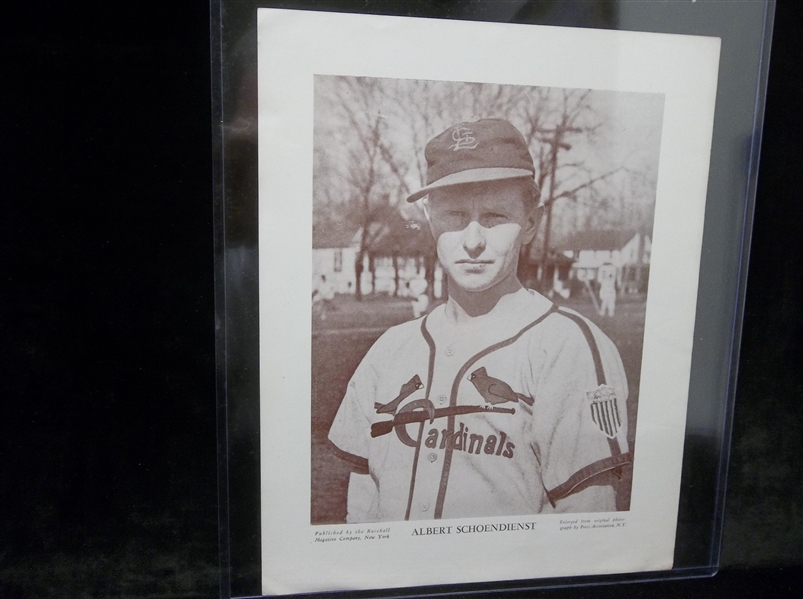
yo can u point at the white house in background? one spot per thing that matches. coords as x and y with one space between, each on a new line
333 255
628 250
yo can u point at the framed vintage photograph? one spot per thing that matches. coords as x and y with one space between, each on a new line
477 273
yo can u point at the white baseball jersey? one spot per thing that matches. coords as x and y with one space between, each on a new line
607 280
518 412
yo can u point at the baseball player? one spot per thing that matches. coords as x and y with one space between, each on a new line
497 402
322 298
607 289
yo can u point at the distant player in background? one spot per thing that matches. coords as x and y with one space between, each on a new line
497 402
322 297
607 289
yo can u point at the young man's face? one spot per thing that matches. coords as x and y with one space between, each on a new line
479 229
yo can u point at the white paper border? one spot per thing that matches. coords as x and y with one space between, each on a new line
294 46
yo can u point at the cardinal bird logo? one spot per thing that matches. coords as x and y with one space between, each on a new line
407 389
495 391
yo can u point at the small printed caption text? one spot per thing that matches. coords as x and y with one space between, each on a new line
591 523
377 534
355 534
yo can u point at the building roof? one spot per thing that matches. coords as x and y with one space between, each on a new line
404 237
333 235
397 235
536 255
597 239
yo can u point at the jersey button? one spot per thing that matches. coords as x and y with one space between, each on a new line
441 399
449 351
432 457
424 506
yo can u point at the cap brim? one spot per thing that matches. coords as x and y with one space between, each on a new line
475 175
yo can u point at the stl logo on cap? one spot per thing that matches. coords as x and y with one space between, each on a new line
463 140
499 152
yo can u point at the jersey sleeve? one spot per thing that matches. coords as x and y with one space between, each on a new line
349 434
581 423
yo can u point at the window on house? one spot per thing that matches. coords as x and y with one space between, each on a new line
338 260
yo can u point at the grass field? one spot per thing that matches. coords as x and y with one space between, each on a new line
348 331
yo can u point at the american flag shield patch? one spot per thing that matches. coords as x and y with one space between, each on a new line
604 410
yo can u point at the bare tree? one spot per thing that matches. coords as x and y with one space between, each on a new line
360 133
553 121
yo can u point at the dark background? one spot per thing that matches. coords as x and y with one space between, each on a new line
108 482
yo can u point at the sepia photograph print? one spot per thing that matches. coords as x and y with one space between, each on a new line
479 297
479 249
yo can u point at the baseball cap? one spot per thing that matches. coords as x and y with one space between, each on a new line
484 150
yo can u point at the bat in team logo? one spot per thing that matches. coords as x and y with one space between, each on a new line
407 389
495 391
402 418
